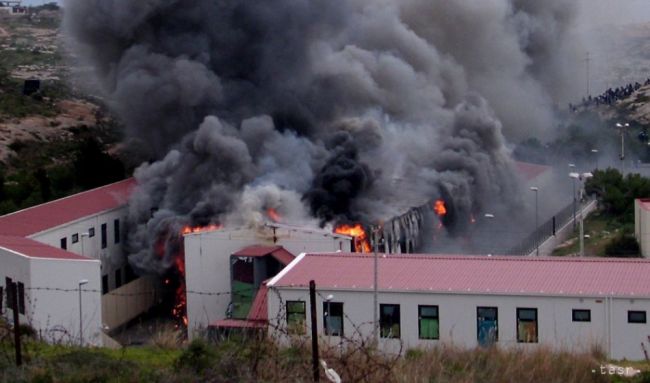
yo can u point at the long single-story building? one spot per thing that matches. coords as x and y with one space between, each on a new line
565 303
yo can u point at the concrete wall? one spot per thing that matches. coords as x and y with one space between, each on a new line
127 302
207 262
17 268
458 323
111 257
56 307
52 297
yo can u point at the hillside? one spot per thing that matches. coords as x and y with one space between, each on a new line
47 137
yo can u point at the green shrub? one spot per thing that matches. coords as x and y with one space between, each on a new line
623 245
197 357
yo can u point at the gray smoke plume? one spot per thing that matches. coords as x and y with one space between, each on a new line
323 110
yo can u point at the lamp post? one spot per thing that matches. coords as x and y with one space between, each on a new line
583 177
575 176
595 152
375 293
536 190
490 217
621 127
81 329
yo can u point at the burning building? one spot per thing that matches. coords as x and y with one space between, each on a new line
319 114
220 264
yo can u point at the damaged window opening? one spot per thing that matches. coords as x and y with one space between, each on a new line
389 320
527 325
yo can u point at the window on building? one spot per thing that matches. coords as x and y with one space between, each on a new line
428 325
487 325
389 321
105 284
103 234
21 297
636 317
75 238
526 325
296 317
333 318
64 243
10 296
91 232
1 298
116 230
118 278
581 315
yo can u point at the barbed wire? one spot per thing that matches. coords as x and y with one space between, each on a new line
148 292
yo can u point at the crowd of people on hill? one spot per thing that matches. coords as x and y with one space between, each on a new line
610 96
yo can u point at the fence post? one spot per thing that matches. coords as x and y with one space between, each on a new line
14 296
314 330
553 225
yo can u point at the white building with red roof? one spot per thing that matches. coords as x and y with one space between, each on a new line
565 303
225 269
48 251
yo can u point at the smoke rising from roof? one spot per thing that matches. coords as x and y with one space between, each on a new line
325 111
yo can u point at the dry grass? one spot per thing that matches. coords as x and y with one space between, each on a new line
167 337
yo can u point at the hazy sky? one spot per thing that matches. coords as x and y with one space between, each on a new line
615 11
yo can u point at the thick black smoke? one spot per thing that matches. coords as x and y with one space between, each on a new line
323 110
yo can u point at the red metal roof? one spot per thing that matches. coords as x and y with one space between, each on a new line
259 308
472 274
530 171
277 252
55 213
36 249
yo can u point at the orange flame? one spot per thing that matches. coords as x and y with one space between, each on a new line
440 208
273 214
201 229
356 231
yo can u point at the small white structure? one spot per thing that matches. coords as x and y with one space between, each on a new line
642 225
565 303
208 267
48 249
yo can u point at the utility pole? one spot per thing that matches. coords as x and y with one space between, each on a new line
582 234
587 60
14 297
314 330
375 322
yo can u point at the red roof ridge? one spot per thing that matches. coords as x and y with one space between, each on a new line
76 195
34 249
474 257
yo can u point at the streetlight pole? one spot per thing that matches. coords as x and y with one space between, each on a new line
375 303
81 324
490 217
574 196
536 189
595 152
583 177
621 128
